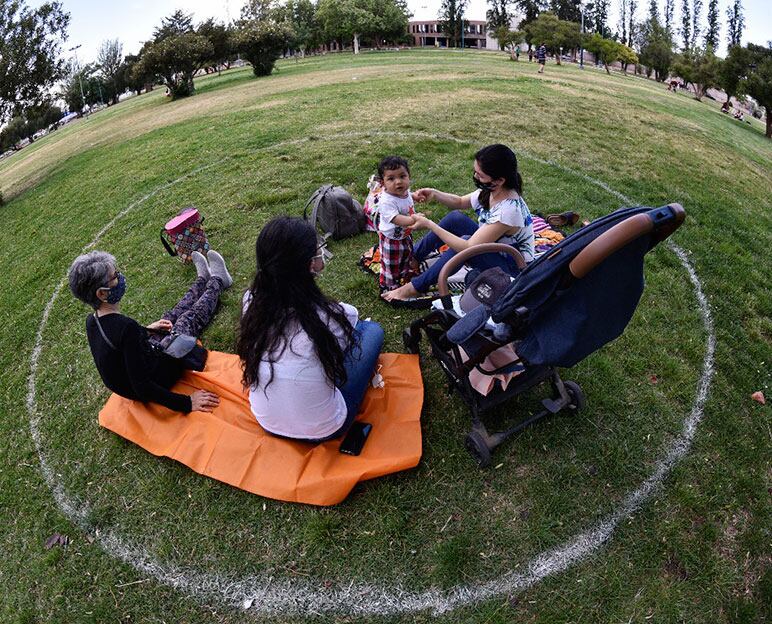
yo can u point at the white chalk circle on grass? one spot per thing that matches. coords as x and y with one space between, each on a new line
266 595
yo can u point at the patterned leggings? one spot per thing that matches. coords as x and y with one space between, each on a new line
194 311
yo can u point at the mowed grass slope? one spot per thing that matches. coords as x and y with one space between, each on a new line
698 551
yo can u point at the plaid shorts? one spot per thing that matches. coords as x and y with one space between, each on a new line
395 260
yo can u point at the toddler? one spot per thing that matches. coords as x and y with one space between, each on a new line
395 217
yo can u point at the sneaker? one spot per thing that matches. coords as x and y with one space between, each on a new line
202 266
217 268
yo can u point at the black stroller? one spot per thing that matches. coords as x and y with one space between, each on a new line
561 308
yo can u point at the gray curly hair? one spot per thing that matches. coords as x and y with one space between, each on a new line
88 273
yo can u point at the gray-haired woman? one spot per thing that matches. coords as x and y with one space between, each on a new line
130 358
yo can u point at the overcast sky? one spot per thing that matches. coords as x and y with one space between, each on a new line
132 21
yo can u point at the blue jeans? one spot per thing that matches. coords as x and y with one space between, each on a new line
457 223
359 363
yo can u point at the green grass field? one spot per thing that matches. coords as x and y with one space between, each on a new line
244 150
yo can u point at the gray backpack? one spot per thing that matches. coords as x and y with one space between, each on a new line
336 212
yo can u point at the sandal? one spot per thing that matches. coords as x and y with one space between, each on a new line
563 219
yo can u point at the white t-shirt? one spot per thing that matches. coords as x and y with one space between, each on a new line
390 206
300 402
512 212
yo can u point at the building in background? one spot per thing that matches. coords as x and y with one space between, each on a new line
429 33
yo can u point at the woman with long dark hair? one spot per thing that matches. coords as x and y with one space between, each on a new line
502 217
307 359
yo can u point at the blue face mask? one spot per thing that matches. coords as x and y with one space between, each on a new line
115 294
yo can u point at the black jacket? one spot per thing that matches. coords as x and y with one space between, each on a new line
134 369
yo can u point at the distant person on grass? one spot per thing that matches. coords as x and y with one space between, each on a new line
130 358
502 217
307 359
541 57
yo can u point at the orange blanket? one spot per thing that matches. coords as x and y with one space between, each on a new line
229 445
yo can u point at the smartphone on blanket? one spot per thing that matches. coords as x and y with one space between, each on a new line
355 438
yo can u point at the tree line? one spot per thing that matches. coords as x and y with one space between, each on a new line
32 64
32 50
656 45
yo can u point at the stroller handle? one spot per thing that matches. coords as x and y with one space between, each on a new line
611 241
476 250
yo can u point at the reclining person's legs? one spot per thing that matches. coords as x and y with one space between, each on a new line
193 321
188 300
194 292
196 309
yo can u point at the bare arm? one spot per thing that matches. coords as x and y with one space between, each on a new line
488 233
403 220
454 202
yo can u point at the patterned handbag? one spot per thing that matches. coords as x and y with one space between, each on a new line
185 234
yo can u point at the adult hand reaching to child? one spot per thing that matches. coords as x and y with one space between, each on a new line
421 221
423 195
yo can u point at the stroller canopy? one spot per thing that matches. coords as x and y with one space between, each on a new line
568 317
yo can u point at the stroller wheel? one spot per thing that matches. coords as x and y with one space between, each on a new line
578 400
475 444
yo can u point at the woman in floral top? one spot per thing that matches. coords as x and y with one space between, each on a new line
502 217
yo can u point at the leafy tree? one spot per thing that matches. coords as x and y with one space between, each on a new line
176 59
509 40
530 10
25 126
700 68
389 20
600 17
623 17
712 33
733 70
178 23
109 60
30 45
450 18
498 15
75 88
134 75
696 19
669 10
345 20
686 25
219 35
626 56
653 10
261 10
656 46
567 10
608 51
554 33
302 15
605 50
735 23
758 83
632 26
261 42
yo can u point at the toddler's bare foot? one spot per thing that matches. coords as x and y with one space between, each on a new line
400 294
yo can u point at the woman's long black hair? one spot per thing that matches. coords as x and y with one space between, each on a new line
285 296
499 161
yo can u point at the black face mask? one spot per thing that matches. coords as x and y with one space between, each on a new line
483 186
